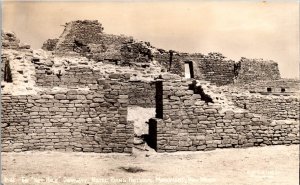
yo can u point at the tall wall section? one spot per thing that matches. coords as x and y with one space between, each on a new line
250 70
186 122
212 67
86 38
142 93
69 120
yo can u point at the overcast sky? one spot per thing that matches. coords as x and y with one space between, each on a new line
253 29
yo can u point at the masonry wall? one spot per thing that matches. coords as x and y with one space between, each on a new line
289 85
10 41
69 120
216 69
142 93
74 76
257 70
212 67
274 107
190 124
3 60
50 44
83 31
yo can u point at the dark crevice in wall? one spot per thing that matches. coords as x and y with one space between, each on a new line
7 72
151 139
159 99
199 90
170 59
59 75
236 69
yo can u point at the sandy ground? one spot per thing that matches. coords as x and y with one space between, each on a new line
257 166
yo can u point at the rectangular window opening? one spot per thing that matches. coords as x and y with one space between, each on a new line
188 69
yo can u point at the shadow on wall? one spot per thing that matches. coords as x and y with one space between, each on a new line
199 90
151 139
159 99
7 77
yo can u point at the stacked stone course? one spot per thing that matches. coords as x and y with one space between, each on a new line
75 76
212 67
257 70
70 120
217 69
142 94
190 124
289 86
274 107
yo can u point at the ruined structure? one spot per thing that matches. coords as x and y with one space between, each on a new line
187 121
74 95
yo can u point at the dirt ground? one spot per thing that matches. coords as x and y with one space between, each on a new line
255 166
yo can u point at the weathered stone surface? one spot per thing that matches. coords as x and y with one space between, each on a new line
70 122
211 127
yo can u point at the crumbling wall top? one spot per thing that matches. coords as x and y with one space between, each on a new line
250 70
10 41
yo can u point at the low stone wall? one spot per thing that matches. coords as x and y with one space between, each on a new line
289 85
274 107
70 120
142 93
185 122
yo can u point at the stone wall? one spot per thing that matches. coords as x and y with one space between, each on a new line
250 70
289 85
142 93
70 120
50 44
87 39
74 76
217 69
274 107
212 67
83 32
10 41
189 123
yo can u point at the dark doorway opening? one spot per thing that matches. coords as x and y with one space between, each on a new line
188 69
269 89
151 138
